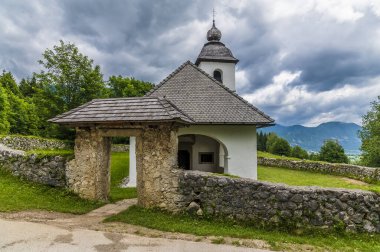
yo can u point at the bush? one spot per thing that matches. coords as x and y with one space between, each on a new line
278 145
298 152
333 152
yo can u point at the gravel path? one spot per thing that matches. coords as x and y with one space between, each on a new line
68 232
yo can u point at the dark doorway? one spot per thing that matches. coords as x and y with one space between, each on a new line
184 159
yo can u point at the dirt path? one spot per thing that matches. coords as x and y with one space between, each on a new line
355 181
93 222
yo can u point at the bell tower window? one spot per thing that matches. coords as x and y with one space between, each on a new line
218 76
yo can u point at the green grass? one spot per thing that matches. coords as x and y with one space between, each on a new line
270 155
326 241
305 178
18 195
120 170
45 153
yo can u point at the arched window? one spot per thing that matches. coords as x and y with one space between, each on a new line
218 75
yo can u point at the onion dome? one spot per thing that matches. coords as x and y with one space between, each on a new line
214 33
214 50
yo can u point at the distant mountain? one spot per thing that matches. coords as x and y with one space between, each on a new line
312 138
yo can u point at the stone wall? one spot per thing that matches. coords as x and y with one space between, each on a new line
88 174
267 204
48 170
27 143
120 147
366 174
156 160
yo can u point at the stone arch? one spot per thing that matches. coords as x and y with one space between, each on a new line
208 153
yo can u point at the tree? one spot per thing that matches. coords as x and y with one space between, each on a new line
278 145
298 152
127 87
370 135
29 87
331 151
70 76
4 111
9 83
262 141
21 116
314 156
68 80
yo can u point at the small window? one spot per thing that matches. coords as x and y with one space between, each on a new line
218 75
206 157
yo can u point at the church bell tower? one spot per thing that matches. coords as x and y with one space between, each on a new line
217 60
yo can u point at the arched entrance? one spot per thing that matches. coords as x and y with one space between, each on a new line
203 153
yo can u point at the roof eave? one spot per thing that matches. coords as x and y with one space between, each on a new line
199 60
84 123
259 124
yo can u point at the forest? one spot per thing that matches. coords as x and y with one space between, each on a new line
67 79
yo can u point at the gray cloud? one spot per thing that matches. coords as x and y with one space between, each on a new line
332 46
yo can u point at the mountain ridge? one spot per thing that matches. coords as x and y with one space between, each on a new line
312 138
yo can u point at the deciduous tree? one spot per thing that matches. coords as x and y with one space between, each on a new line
298 152
127 87
370 135
331 151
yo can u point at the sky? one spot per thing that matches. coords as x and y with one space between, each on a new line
301 61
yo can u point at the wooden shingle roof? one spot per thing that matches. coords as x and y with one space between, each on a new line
119 110
206 100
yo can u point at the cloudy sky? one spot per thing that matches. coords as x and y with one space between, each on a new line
301 61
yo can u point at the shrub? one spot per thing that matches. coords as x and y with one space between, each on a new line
333 152
298 152
278 145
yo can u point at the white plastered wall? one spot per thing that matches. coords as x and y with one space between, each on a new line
228 70
132 162
240 142
205 144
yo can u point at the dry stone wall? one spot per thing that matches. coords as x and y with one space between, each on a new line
48 170
27 143
267 204
120 147
362 173
88 174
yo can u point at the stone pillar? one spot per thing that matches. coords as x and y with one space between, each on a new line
89 174
156 150
132 162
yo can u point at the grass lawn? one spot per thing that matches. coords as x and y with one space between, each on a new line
164 221
43 153
305 178
270 155
120 170
19 195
